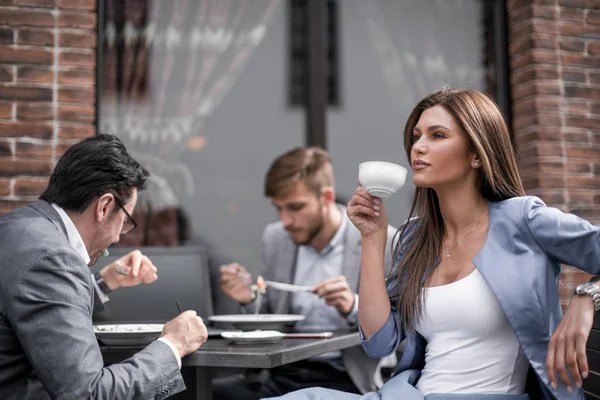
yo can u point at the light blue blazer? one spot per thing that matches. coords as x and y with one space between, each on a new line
527 243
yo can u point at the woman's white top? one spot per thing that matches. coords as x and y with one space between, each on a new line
471 347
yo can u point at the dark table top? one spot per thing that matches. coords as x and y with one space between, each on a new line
218 352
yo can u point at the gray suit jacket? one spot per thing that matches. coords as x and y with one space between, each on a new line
279 261
48 349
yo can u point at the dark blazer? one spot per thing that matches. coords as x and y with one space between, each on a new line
48 349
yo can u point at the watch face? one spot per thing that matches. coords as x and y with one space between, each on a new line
587 288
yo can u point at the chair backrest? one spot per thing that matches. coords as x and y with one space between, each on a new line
183 275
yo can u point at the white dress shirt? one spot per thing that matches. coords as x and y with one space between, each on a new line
76 242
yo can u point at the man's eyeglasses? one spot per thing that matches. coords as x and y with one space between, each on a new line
129 224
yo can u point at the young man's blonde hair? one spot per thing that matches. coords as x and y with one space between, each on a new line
311 165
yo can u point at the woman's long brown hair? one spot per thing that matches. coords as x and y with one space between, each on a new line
420 240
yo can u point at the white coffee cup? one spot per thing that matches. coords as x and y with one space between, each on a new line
381 178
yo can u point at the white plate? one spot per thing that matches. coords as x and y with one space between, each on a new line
128 334
255 337
250 322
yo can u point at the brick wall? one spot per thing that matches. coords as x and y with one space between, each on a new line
47 93
554 50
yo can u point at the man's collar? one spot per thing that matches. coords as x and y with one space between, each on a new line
73 234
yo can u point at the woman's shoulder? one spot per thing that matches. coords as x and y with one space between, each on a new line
516 206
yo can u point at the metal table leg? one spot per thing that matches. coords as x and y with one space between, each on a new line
198 381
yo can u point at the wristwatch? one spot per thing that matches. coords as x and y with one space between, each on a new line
590 289
101 283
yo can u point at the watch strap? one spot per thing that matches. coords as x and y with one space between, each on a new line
101 283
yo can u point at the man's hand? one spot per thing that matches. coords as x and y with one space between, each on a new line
187 332
567 344
336 293
235 281
129 270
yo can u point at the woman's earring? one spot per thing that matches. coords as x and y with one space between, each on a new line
476 164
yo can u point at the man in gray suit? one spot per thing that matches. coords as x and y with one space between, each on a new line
312 245
48 349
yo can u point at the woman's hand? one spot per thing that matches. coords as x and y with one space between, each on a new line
566 351
367 213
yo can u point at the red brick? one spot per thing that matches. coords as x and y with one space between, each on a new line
529 73
76 96
582 92
593 17
576 106
594 78
25 93
542 167
537 103
576 3
571 15
89 5
6 74
23 17
6 110
544 26
5 149
545 181
35 3
514 5
4 186
520 30
6 2
536 88
35 74
541 149
61 148
579 167
9 54
576 137
77 20
76 113
545 11
535 41
545 134
580 122
77 76
594 48
25 166
575 182
76 131
34 111
30 186
520 15
36 37
572 45
571 29
25 149
7 36
584 152
86 40
39 130
580 197
574 76
534 56
77 58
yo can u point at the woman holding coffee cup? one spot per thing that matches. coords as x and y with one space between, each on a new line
474 289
